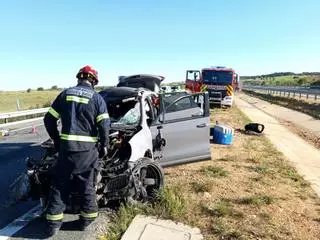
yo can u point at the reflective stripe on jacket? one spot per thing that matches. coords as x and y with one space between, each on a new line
84 118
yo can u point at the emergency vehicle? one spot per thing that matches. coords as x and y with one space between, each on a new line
220 82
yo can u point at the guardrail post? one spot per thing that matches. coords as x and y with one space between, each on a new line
288 94
294 94
315 97
307 95
300 95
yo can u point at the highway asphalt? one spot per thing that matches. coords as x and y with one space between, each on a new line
13 151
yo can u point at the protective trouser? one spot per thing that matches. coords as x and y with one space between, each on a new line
64 178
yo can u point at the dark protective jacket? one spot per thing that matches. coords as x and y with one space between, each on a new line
84 118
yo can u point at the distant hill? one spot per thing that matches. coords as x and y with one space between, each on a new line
283 79
280 74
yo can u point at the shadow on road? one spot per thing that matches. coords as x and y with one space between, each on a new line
12 165
36 230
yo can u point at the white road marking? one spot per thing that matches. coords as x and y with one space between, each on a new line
30 127
19 223
5 125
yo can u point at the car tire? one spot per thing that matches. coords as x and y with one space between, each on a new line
151 177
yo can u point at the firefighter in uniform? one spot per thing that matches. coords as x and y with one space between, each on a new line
85 121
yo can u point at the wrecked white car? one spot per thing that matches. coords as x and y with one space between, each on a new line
149 130
182 118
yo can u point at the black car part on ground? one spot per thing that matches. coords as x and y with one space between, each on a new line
254 127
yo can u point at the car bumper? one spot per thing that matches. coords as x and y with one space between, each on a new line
228 100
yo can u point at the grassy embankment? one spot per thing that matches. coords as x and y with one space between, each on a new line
33 99
247 191
290 80
27 100
307 107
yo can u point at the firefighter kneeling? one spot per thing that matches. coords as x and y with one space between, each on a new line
84 116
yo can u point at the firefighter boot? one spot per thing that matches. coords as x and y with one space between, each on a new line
53 228
85 223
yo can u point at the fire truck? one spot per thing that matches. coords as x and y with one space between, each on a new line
220 82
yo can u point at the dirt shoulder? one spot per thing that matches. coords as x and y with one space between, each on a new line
311 108
302 124
246 191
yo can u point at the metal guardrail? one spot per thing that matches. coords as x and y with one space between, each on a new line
8 115
286 91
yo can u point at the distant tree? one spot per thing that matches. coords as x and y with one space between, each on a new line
40 89
28 90
55 87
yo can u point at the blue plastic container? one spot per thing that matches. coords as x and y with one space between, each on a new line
222 134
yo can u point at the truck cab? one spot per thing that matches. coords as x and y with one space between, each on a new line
219 82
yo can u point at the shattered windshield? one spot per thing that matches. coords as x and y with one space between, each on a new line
124 112
131 117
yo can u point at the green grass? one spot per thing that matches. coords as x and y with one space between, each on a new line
222 208
212 171
292 174
301 80
33 99
256 200
201 186
220 228
228 158
261 168
169 204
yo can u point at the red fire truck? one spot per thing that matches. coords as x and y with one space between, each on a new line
220 82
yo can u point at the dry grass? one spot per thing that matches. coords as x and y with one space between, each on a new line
307 135
247 191
261 196
34 99
307 107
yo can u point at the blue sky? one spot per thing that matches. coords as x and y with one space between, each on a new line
44 44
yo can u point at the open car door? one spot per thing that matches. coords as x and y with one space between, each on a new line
185 121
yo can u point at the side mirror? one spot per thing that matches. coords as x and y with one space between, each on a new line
159 127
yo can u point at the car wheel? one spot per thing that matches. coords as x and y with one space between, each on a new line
150 177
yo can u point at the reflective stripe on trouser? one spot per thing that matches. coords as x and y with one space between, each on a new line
54 217
78 138
62 185
89 215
